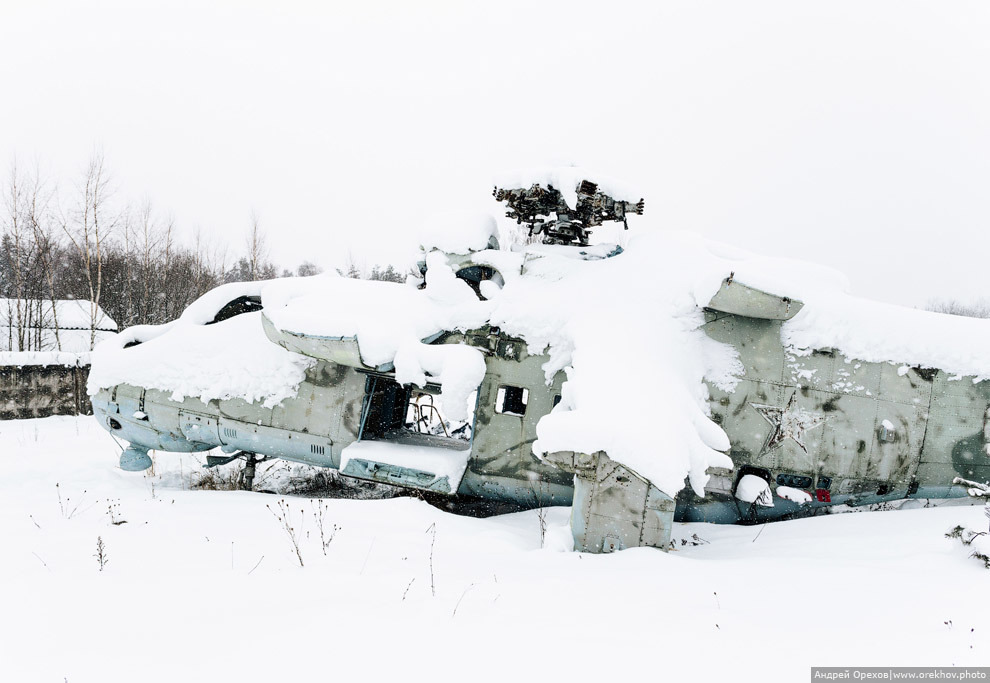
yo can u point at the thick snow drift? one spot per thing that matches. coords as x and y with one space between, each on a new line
457 232
231 359
390 322
187 357
191 564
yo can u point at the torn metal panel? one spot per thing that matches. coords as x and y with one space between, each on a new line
614 508
739 299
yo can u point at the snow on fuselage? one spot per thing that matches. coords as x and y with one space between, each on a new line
628 355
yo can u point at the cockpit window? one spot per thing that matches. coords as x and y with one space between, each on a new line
476 275
242 304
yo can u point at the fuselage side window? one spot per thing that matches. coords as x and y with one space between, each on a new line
511 400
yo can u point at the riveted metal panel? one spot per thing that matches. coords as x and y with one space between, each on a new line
199 428
895 458
847 438
239 409
756 341
906 386
281 443
814 371
503 443
855 377
739 299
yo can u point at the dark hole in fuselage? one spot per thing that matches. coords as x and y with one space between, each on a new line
475 275
242 304
391 409
511 400
385 407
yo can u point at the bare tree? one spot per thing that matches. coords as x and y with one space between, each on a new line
15 237
169 287
209 264
89 228
307 268
47 250
200 260
214 266
976 309
29 255
149 248
257 249
126 303
131 264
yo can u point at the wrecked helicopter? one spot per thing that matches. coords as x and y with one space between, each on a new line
568 371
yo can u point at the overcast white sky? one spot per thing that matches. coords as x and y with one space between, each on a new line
855 134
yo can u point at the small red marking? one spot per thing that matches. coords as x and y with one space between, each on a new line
823 495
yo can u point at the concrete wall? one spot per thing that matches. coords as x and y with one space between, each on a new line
28 391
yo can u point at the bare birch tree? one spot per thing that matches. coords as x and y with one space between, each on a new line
169 298
88 231
47 250
257 249
15 236
149 249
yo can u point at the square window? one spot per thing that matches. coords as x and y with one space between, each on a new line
511 400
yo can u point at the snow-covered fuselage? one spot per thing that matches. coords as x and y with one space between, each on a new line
337 406
839 431
638 386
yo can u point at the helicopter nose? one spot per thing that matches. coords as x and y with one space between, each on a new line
135 459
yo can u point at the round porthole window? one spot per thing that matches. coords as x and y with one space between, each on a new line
484 280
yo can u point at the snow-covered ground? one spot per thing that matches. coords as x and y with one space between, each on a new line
205 585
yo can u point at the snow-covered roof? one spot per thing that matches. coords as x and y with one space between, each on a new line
72 314
23 358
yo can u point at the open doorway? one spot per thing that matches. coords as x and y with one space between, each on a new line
412 415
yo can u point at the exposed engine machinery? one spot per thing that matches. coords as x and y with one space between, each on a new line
569 225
